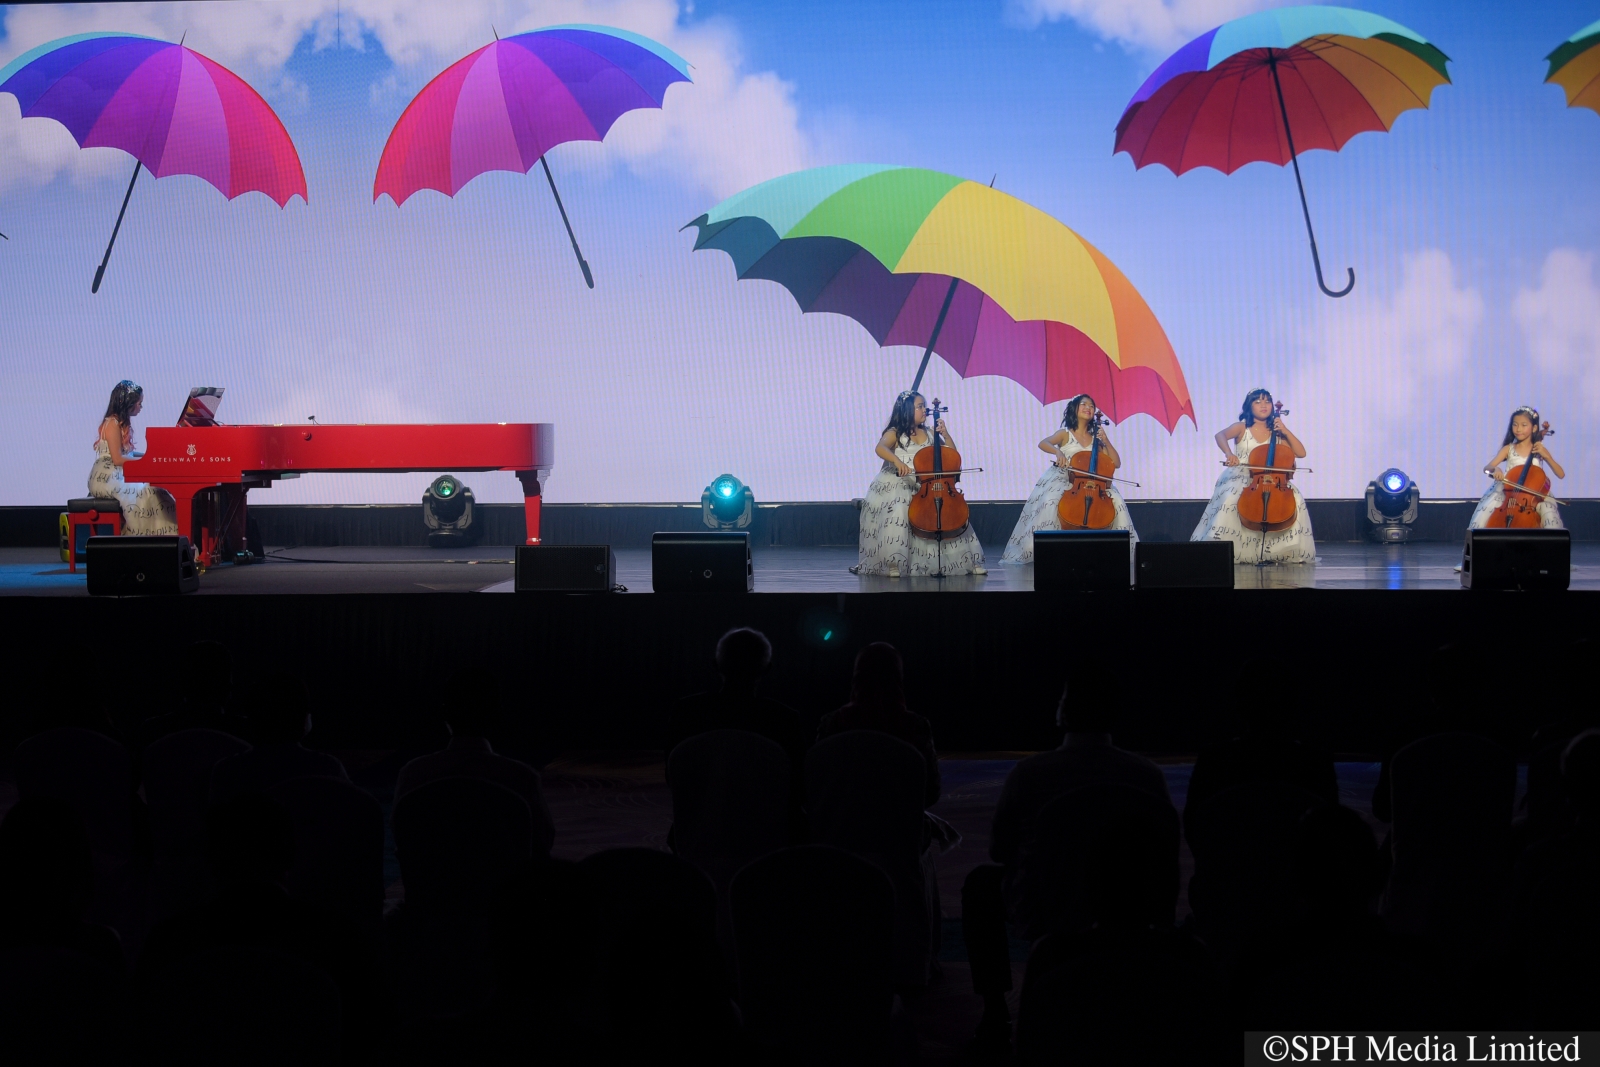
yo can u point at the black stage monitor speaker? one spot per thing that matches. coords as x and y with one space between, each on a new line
565 569
1517 559
701 562
140 566
1183 565
1081 560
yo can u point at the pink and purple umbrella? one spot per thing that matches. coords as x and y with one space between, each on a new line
171 108
506 105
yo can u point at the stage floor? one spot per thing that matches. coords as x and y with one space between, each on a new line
1340 565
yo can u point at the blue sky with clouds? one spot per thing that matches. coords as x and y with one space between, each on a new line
1472 227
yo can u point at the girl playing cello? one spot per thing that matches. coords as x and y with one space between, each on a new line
1040 513
1524 443
887 545
1258 423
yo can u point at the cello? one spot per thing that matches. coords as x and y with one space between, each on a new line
1087 503
1520 509
938 509
1267 503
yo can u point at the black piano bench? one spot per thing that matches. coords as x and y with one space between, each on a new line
95 516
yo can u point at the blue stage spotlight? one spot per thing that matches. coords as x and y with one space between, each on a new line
727 504
824 629
447 513
1392 499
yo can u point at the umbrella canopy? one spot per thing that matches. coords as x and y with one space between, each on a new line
1271 85
168 106
1002 287
1213 103
507 104
1575 66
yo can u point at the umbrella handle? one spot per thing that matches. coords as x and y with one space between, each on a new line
583 264
101 271
1316 260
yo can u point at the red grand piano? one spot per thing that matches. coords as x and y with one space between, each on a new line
210 469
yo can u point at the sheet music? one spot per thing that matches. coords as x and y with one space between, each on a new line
201 407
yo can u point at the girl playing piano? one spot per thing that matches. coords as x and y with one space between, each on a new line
146 510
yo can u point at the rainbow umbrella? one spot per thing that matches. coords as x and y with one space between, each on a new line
1271 85
506 105
992 284
1575 66
171 108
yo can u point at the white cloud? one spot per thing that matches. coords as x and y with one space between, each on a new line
34 151
250 38
1373 362
1150 25
732 128
1560 322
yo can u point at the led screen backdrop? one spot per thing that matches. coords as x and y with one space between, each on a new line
1472 225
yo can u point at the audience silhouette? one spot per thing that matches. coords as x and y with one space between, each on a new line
276 710
469 754
208 897
743 656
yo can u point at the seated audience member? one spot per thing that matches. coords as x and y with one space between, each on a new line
1556 887
1262 753
1544 810
743 656
1452 702
47 881
1336 961
1086 757
993 894
202 701
878 702
276 711
250 845
1122 988
470 755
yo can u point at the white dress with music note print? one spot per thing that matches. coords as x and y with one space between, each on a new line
1221 520
1549 515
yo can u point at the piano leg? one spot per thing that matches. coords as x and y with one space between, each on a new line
531 502
232 527
189 499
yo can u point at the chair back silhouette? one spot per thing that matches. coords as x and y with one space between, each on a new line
93 773
1452 806
665 986
1129 831
814 927
244 1006
58 1005
457 837
1128 996
177 781
338 847
457 840
730 805
1243 845
864 793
